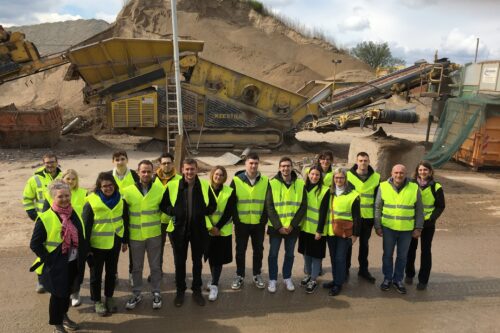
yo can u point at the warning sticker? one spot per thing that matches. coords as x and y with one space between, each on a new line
490 74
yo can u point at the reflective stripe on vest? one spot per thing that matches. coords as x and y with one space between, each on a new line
144 211
164 218
286 200
53 228
35 191
213 219
251 199
314 199
366 190
342 209
428 199
398 212
107 223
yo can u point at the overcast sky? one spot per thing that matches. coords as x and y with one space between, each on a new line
413 28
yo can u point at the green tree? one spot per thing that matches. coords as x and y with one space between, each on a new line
375 54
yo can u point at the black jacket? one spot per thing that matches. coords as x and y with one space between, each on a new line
273 215
439 203
55 272
241 175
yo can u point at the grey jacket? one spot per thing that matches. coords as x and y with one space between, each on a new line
379 205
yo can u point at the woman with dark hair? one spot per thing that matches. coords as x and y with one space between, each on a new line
220 227
106 221
59 242
311 243
434 204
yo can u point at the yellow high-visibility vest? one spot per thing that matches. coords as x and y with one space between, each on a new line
107 223
286 200
35 189
342 209
314 199
251 199
222 199
366 192
398 212
428 199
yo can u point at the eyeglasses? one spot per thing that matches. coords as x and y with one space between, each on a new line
166 163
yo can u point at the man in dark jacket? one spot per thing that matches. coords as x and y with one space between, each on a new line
189 202
286 205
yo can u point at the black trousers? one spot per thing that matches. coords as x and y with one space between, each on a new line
163 241
364 237
58 306
107 259
216 271
180 243
425 253
242 233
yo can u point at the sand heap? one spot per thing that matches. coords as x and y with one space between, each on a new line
235 36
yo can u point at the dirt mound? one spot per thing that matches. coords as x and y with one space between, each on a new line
59 36
240 38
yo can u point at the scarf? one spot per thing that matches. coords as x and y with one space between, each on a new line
165 177
422 182
110 201
69 233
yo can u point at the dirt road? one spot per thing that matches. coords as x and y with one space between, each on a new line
463 294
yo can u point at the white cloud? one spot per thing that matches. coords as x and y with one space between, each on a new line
416 4
461 47
354 23
55 17
110 18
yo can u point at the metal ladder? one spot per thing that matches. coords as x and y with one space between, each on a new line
171 104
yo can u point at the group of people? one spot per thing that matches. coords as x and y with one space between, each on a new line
137 211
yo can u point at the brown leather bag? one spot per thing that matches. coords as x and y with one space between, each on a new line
341 228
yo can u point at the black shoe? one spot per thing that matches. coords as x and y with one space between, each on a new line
408 280
328 285
335 290
367 276
69 324
59 329
198 298
400 287
421 286
179 299
305 280
385 285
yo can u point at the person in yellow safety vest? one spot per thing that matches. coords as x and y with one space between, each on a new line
220 228
59 242
189 201
78 197
344 206
366 181
250 218
146 200
164 174
124 177
325 162
35 189
311 244
286 204
434 204
106 220
399 215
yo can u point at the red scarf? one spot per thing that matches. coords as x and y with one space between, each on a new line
69 233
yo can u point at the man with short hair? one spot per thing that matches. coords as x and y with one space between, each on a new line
189 201
35 189
164 174
286 204
399 216
123 175
250 219
146 200
366 182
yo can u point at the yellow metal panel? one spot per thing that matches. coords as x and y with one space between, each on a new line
136 111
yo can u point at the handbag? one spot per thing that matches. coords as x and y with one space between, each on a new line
341 228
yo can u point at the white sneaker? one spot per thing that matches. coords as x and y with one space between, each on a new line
214 291
75 299
209 285
157 301
271 286
289 285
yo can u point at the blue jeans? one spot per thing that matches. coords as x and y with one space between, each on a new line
275 243
338 254
392 238
312 266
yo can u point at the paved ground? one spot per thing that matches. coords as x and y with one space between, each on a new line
463 294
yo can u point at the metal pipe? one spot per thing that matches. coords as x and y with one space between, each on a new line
177 68
477 49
